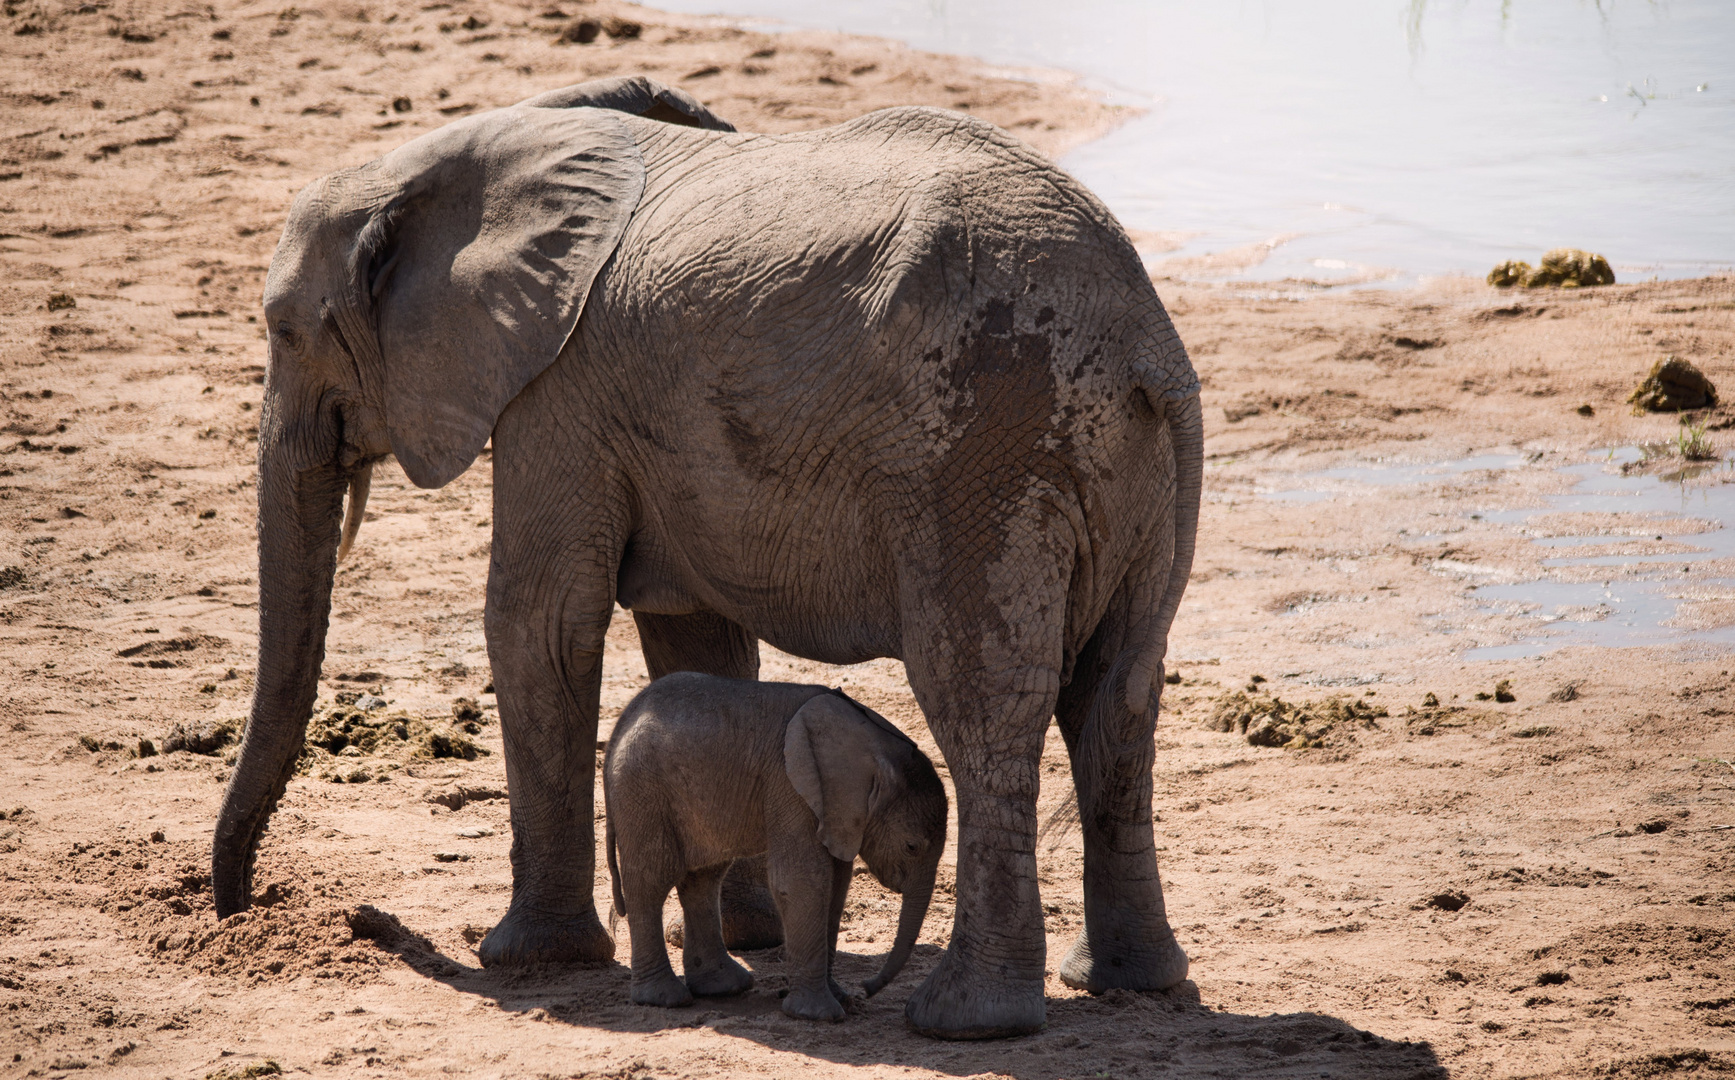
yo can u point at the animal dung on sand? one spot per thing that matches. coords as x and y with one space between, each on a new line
1673 385
1565 268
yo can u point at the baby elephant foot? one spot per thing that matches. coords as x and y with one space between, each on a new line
717 977
813 1004
664 990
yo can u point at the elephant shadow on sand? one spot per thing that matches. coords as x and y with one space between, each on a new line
1169 1034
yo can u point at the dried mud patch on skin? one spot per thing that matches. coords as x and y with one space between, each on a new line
1267 720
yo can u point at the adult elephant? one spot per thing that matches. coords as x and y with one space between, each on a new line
898 388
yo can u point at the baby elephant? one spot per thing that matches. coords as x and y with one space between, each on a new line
704 770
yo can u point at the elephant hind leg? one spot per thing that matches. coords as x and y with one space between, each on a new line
710 970
1127 941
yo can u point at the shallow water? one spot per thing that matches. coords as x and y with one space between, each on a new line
1687 507
1378 140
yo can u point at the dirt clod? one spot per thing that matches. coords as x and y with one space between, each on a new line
61 301
1673 384
198 737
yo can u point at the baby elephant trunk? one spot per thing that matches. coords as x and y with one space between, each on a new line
917 893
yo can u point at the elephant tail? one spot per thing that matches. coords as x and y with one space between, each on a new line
614 870
1179 406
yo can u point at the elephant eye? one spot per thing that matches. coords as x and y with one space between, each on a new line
284 333
910 846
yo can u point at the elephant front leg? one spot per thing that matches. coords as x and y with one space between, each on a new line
547 667
1127 941
803 880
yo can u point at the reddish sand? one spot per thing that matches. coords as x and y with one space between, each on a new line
1535 887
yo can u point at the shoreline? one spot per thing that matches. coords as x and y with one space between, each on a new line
1302 881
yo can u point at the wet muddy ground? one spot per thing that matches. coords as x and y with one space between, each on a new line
1385 857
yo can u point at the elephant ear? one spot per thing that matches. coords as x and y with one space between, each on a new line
480 264
831 753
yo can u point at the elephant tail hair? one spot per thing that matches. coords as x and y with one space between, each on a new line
614 871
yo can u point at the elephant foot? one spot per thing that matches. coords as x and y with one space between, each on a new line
749 914
527 937
663 990
812 1004
1126 964
718 976
959 1003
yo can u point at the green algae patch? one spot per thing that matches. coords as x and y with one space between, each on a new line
1270 721
350 745
1562 268
1673 385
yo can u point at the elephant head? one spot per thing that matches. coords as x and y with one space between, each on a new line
410 299
875 794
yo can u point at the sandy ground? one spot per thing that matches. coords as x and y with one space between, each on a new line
1479 888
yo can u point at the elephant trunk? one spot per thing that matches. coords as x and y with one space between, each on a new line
917 894
298 539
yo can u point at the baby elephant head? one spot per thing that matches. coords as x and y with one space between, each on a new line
876 795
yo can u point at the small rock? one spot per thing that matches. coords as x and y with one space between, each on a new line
1587 409
1569 692
1673 385
158 837
1552 978
475 832
581 31
1653 827
624 29
450 856
1503 692
368 702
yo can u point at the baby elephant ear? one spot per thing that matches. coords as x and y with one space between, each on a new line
830 754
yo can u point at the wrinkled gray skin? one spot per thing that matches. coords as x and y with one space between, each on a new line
703 770
897 388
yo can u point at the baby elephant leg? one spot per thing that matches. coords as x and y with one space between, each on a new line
711 971
654 980
804 901
841 874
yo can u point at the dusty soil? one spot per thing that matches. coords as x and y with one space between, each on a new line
1369 884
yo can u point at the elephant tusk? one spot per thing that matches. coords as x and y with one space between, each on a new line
359 483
